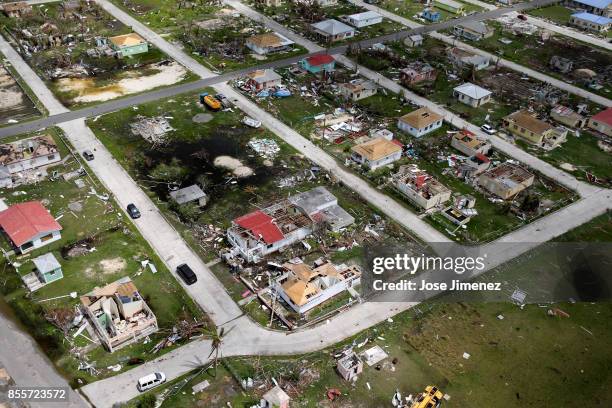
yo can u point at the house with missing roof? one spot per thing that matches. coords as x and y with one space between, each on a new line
376 153
472 95
26 154
473 30
29 226
128 44
318 63
465 59
417 72
590 22
526 126
420 122
567 116
598 7
303 287
358 89
420 188
268 43
365 19
118 314
469 144
333 30
415 40
17 9
265 231
602 122
506 180
263 79
189 194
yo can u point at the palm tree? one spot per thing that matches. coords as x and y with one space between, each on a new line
216 337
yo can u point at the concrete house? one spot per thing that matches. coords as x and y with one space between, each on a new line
268 43
27 154
376 153
465 59
450 5
591 22
475 165
128 44
118 314
190 194
420 188
415 40
263 79
420 122
417 72
506 180
469 144
318 63
29 226
602 122
535 131
472 95
431 15
333 30
349 366
303 287
358 89
17 9
365 19
275 398
567 117
473 30
598 7
262 232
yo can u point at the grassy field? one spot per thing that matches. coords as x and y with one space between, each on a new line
118 251
558 14
410 9
29 107
520 360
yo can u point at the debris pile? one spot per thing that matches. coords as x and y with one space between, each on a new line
153 130
266 148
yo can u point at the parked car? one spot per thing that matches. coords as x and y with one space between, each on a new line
488 129
133 211
187 274
150 381
225 102
88 155
522 17
251 122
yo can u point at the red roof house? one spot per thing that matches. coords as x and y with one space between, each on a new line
318 63
29 225
602 122
261 226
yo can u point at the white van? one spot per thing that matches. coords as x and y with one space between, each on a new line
149 381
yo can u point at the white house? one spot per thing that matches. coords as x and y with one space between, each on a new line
333 30
420 188
367 18
28 154
472 95
376 153
420 122
268 43
358 89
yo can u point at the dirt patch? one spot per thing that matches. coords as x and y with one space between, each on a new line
237 168
112 266
202 118
568 166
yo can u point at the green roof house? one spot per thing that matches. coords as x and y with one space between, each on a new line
48 268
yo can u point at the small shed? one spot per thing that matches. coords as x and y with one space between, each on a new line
48 268
190 194
414 40
275 398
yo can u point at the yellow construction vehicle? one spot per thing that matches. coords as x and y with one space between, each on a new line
431 398
210 101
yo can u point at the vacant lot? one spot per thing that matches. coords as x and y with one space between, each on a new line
15 97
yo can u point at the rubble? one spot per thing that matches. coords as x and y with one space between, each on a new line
266 148
153 130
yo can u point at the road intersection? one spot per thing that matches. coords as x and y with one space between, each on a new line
244 336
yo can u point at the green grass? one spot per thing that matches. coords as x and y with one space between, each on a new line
558 14
115 239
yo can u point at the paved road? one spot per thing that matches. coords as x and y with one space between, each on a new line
482 4
29 367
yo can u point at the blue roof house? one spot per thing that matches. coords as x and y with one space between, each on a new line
591 22
599 7
431 15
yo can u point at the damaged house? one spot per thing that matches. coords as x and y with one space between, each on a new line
358 89
417 72
118 314
26 154
263 79
506 180
567 116
469 144
268 43
464 59
473 30
526 126
303 287
262 232
420 188
17 9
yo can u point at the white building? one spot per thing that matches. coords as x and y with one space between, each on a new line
333 30
268 43
376 153
365 19
26 154
472 95
420 188
358 89
420 122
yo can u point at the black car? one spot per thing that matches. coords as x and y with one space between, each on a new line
88 155
187 274
133 211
